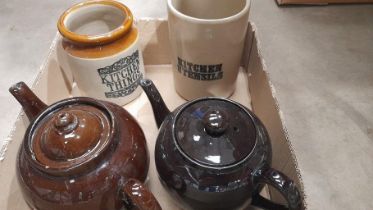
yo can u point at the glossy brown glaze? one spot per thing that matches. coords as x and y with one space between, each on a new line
137 195
31 104
65 135
67 139
104 149
214 153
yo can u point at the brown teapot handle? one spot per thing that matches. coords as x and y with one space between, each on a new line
284 185
135 194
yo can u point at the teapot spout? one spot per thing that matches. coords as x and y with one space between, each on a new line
31 104
160 109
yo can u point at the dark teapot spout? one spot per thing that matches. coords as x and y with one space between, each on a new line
31 104
159 107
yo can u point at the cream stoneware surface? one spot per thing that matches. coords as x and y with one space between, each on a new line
108 77
207 40
84 73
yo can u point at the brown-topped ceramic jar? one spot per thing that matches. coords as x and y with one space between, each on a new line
100 50
81 154
214 153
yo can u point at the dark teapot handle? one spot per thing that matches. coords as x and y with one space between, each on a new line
284 185
135 194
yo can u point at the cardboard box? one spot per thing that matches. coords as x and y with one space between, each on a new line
321 2
253 90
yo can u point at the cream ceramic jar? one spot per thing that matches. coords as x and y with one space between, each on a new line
101 51
207 40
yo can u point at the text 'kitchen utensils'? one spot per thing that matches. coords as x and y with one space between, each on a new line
207 40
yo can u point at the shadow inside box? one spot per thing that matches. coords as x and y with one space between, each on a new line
153 52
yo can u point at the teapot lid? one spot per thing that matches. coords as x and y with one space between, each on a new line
215 132
66 138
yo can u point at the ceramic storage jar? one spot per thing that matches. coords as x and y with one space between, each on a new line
100 50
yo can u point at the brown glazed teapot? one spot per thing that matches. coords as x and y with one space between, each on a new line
81 154
214 153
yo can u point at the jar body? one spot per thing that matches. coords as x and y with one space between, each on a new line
201 187
112 78
107 63
94 188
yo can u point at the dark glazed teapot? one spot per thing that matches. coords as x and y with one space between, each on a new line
81 154
214 153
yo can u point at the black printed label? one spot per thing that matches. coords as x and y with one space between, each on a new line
199 72
121 78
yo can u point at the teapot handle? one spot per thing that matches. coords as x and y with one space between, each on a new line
284 185
134 194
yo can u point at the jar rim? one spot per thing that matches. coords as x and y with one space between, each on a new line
98 39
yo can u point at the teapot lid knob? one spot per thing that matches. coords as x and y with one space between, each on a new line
65 123
215 122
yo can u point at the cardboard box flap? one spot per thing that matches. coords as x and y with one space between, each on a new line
266 107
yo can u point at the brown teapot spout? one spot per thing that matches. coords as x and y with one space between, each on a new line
31 104
159 107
